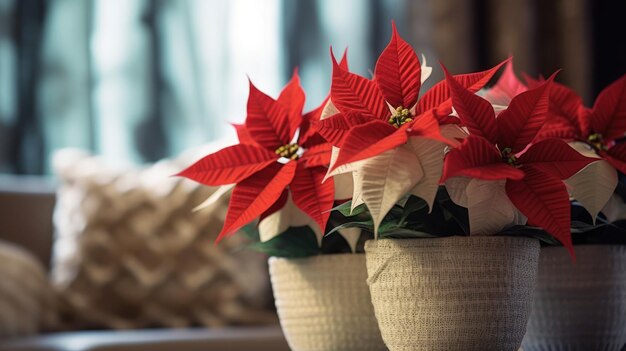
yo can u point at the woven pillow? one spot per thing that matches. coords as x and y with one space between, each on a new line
129 251
27 303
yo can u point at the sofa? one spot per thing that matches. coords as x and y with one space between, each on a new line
26 212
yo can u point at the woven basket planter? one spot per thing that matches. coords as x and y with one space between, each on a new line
582 305
453 293
323 303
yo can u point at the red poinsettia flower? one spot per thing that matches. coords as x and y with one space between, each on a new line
568 120
377 115
380 124
279 152
501 149
602 127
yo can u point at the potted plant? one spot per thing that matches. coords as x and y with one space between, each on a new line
434 285
582 305
276 172
448 194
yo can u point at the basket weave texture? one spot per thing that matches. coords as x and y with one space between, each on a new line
582 305
130 253
324 304
453 293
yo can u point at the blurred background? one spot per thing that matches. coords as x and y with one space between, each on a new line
140 80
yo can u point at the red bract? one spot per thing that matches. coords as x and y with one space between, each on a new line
601 127
500 149
563 120
380 114
568 120
278 151
506 88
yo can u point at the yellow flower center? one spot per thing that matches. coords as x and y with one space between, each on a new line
597 142
400 116
509 157
289 151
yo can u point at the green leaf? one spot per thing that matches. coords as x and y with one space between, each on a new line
293 243
250 232
367 225
345 208
451 211
404 233
413 204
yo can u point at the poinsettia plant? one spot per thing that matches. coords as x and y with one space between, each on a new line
389 141
276 169
376 160
594 132
501 150
601 188
500 174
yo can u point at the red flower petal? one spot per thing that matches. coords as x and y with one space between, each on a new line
584 116
507 87
254 195
520 122
308 128
545 201
557 127
336 127
446 118
475 113
426 125
292 97
318 155
566 116
243 135
311 195
367 140
555 157
398 72
344 60
616 156
313 140
268 121
439 96
276 206
229 165
565 103
609 111
353 93
477 158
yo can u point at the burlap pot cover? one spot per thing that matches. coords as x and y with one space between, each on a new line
323 303
453 293
582 305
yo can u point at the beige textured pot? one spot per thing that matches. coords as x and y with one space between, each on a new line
324 304
453 293
582 305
